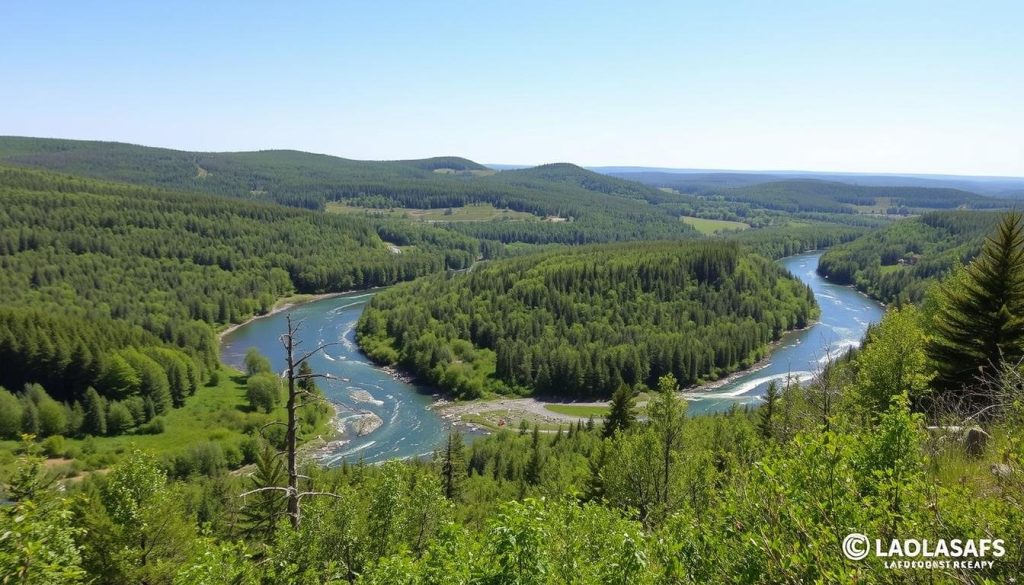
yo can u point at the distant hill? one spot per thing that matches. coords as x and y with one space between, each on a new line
803 194
576 176
582 206
995 186
815 195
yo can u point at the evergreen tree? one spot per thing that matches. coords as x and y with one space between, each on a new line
95 414
766 415
622 412
453 466
979 320
119 418
536 461
10 415
265 507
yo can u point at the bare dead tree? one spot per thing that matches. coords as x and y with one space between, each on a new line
823 392
299 394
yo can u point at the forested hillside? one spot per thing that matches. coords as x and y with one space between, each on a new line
812 195
118 287
899 261
584 206
583 322
741 497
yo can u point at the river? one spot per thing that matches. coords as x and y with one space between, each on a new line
411 429
845 316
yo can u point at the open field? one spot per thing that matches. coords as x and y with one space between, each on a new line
474 212
880 206
712 226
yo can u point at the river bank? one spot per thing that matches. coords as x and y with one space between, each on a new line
415 417
282 304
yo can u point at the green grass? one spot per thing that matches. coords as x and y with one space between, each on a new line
474 212
490 420
582 411
880 206
218 414
713 226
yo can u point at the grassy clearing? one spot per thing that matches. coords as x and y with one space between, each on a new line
713 226
880 206
217 414
474 212
496 420
582 411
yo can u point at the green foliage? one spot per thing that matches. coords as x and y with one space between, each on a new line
256 363
264 509
899 262
596 208
119 418
10 415
979 320
101 281
135 529
37 534
584 321
892 362
95 422
453 466
263 391
622 412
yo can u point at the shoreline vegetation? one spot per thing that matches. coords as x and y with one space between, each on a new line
486 414
282 304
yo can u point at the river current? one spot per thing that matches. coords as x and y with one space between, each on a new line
409 428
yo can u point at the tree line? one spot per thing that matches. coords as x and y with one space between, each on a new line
582 322
119 288
899 262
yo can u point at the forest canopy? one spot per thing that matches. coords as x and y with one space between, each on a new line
103 282
582 322
899 261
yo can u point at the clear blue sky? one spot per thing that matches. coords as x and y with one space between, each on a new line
848 86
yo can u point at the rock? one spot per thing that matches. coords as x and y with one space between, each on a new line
1002 470
975 441
367 423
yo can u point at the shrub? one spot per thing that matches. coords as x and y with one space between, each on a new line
262 391
53 446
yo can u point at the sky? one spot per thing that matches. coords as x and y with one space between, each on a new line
900 87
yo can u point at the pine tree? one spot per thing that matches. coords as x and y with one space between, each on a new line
262 510
979 321
95 423
622 413
765 423
536 462
453 466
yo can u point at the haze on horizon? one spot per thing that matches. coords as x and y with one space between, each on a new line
928 88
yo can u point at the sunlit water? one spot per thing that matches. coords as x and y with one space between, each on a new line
845 316
410 429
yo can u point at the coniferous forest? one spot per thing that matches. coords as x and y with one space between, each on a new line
582 323
129 454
